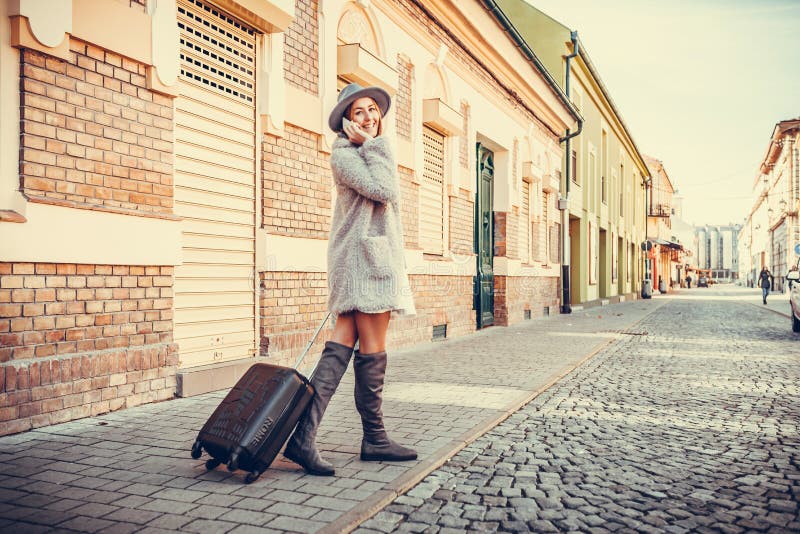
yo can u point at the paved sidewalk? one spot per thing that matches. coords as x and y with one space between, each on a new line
130 471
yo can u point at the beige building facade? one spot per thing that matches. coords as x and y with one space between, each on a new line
165 193
667 255
770 235
602 189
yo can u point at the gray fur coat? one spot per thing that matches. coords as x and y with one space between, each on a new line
366 262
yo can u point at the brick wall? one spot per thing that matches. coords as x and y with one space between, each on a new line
92 135
403 98
297 185
301 48
50 309
462 223
444 300
500 236
292 306
409 207
515 294
79 340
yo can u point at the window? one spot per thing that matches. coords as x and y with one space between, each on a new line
526 222
431 193
574 167
621 190
545 239
592 185
603 166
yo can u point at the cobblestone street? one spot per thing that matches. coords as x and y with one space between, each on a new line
669 415
690 426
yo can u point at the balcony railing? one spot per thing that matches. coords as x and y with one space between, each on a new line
660 210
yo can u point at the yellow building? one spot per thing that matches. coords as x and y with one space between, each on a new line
604 174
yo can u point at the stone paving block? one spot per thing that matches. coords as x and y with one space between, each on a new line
180 495
121 528
102 497
330 503
175 507
208 526
86 524
293 510
45 517
326 516
247 517
206 511
251 529
141 489
94 510
31 528
170 521
257 491
131 515
295 525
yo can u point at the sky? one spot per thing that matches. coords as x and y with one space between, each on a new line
700 84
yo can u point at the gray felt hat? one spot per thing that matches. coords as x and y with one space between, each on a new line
350 94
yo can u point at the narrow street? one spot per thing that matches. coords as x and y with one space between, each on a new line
690 426
675 414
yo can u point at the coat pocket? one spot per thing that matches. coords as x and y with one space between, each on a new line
378 255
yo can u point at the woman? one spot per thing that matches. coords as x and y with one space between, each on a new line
366 277
765 282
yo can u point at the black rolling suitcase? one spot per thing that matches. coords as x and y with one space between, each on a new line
255 418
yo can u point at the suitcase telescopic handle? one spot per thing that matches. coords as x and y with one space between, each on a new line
308 347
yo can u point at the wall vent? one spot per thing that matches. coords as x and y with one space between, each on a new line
439 332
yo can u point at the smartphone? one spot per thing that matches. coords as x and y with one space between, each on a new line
346 122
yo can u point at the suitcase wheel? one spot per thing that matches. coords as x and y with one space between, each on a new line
212 464
251 476
197 450
233 463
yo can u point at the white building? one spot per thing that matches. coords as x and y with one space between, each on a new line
717 250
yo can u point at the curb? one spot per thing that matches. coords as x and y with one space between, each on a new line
770 309
351 519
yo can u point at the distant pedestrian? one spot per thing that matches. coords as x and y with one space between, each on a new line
689 282
765 280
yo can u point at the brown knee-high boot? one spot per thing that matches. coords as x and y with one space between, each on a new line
370 371
302 448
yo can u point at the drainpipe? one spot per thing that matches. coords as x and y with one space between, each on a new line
565 244
509 28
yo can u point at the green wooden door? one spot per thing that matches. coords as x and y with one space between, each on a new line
484 238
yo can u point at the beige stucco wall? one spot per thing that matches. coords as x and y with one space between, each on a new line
493 121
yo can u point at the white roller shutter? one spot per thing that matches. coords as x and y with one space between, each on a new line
431 193
215 187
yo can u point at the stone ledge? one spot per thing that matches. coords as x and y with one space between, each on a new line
205 378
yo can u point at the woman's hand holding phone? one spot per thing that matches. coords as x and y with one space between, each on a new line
354 132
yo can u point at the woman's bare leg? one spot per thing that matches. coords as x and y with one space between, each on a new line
344 331
371 330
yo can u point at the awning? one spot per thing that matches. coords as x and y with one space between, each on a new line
670 244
